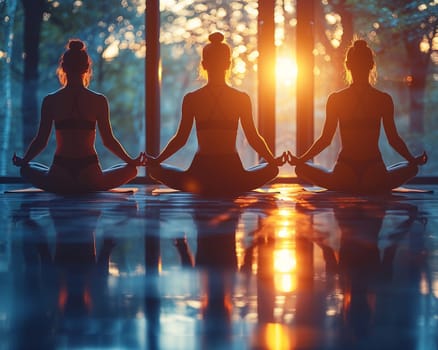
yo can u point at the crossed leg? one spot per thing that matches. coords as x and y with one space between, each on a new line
226 182
375 179
92 178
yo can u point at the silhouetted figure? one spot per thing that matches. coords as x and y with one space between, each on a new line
216 258
359 110
373 296
75 110
63 287
216 109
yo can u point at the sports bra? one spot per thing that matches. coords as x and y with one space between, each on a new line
357 120
75 124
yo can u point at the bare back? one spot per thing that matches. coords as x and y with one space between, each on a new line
78 105
360 110
216 111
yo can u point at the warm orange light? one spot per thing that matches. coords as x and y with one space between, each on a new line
409 79
62 298
86 295
284 260
286 70
285 282
285 228
424 45
285 265
277 337
284 232
285 212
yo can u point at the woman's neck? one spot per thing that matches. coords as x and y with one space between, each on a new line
216 78
360 77
360 82
74 82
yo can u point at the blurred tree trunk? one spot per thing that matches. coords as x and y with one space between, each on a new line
33 16
6 104
418 65
416 26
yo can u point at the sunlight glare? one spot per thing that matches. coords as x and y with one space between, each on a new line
284 232
277 337
112 51
284 260
331 18
239 66
286 70
113 270
285 282
424 45
285 212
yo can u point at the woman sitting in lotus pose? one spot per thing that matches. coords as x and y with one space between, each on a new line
216 109
359 110
75 110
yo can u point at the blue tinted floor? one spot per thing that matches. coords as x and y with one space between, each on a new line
280 268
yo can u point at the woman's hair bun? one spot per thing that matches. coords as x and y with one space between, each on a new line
216 38
76 45
360 44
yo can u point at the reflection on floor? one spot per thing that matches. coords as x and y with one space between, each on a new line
280 268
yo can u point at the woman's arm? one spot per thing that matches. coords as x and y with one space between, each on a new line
107 135
328 130
256 141
182 134
41 138
391 132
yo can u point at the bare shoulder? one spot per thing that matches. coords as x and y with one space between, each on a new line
338 97
382 94
47 106
236 92
341 93
53 101
49 98
53 96
381 98
239 97
192 95
96 96
240 94
97 102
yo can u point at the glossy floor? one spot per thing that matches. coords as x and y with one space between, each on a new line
281 268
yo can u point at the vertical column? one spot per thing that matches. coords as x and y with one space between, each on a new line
266 71
152 258
152 78
305 82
